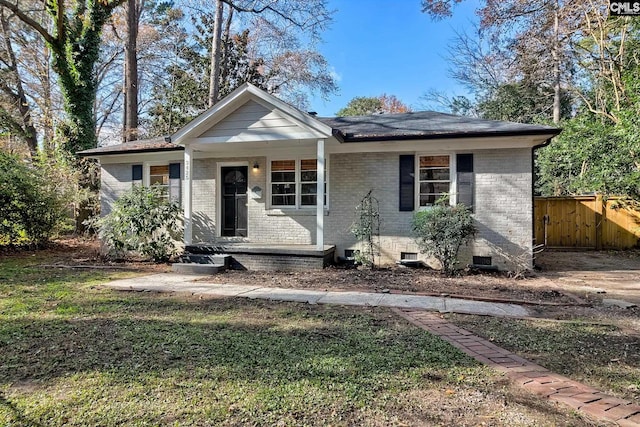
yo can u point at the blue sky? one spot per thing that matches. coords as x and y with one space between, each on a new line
383 46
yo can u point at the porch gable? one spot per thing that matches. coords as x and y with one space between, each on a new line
250 115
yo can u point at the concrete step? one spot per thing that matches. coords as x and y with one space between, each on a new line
195 268
205 259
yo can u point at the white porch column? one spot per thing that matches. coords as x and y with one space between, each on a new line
320 196
188 225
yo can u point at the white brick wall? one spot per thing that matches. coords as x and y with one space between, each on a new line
352 176
502 194
264 226
115 180
503 204
203 175
289 226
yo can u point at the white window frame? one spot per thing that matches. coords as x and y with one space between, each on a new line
146 170
298 177
146 173
453 198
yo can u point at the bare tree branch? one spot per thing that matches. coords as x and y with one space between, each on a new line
28 20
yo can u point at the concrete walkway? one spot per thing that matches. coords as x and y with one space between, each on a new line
170 282
419 310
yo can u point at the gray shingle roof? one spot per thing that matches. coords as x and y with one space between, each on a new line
141 146
378 127
427 125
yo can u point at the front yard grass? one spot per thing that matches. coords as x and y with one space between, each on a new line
75 354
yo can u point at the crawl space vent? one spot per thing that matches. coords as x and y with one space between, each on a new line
482 260
408 256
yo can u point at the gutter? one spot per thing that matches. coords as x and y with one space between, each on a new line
349 137
135 151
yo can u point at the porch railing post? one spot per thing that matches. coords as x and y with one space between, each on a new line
188 226
320 196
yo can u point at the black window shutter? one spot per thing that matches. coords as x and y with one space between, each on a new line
465 180
174 182
174 170
136 172
464 163
407 182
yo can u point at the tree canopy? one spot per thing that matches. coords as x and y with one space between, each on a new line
364 106
567 62
61 63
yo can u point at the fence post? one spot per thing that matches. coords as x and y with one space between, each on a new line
599 220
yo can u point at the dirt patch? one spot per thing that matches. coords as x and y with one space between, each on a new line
79 252
612 274
564 283
406 280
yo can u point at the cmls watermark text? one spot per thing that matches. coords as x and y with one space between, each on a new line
624 8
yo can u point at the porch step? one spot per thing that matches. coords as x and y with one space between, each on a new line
193 268
219 259
201 264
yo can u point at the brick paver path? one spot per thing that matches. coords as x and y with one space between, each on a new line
528 375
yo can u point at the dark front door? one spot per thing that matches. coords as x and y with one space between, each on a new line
234 201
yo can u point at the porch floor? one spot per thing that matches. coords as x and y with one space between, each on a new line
259 248
260 256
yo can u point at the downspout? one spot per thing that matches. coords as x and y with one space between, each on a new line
533 196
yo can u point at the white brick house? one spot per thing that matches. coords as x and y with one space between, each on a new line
249 169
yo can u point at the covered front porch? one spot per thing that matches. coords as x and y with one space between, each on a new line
254 176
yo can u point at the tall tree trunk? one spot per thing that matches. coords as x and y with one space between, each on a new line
555 54
216 42
47 111
223 67
26 127
130 121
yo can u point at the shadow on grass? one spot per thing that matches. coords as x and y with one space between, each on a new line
216 337
278 351
19 418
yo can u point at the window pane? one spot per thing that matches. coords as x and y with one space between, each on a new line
428 199
283 165
309 188
308 165
153 180
434 174
294 182
434 161
159 170
283 177
308 199
288 200
283 189
434 187
435 177
309 176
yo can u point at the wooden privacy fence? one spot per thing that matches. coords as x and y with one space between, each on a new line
587 222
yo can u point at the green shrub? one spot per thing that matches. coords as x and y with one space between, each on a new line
441 230
32 207
142 221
